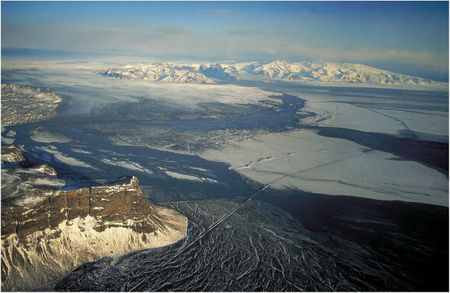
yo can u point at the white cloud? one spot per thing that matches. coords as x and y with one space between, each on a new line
134 37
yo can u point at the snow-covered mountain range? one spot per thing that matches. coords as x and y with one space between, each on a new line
164 72
325 72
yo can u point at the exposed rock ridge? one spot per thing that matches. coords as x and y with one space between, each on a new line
44 241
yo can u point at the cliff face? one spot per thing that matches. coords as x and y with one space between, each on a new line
44 240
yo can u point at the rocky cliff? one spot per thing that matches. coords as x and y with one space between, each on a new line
44 239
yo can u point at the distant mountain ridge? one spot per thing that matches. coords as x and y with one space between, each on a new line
325 72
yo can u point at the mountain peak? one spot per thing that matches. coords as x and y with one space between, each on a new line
321 72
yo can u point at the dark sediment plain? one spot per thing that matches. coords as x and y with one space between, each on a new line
262 248
353 181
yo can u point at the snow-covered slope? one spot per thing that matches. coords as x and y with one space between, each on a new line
326 72
160 72
336 72
47 232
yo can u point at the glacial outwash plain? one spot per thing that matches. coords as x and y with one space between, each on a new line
252 176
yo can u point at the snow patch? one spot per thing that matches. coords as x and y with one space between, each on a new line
40 135
65 159
189 177
128 165
80 151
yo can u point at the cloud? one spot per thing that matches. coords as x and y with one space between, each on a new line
307 15
230 13
221 11
239 44
129 24
246 32
172 30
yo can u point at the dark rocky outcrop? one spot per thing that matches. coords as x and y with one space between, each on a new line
46 238
112 205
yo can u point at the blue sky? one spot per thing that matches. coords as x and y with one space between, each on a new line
409 37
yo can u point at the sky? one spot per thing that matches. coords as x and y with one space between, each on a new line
407 37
